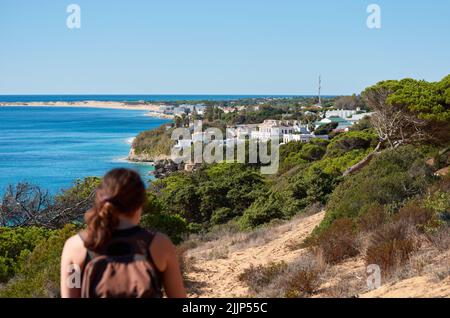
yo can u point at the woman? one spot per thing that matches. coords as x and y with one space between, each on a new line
113 256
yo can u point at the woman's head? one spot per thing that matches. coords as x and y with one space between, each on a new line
121 194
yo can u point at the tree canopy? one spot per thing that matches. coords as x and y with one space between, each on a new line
410 110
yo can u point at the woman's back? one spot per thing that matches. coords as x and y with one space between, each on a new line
113 256
123 268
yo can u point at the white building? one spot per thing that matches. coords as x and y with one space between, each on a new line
301 129
287 138
358 117
271 129
343 113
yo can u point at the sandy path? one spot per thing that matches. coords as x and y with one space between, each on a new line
219 277
415 287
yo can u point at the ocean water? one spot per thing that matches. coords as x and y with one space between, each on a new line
132 98
52 147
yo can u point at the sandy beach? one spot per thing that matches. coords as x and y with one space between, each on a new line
152 109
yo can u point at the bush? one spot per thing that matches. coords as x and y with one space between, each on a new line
438 199
305 281
416 216
259 277
337 165
350 141
312 186
312 152
173 226
15 245
198 195
338 241
40 274
390 179
300 278
391 246
80 191
262 211
372 218
154 143
221 216
326 129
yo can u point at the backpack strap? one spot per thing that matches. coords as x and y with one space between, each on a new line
148 237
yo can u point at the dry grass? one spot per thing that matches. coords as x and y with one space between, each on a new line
301 278
205 246
338 241
259 277
392 245
305 277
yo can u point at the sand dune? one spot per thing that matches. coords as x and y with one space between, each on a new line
219 277
216 266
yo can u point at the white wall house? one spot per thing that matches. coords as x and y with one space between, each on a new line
343 113
270 129
287 138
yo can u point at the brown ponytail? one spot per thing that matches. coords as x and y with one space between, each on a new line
121 192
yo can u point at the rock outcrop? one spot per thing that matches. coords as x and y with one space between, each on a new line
165 167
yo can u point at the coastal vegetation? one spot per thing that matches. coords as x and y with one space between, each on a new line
152 144
377 181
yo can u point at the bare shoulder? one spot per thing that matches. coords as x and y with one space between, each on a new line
74 246
162 250
162 240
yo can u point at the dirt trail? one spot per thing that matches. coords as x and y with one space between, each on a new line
218 264
414 287
219 277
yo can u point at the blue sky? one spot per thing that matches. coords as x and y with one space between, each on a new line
218 46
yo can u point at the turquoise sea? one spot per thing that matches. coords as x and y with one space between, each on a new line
51 147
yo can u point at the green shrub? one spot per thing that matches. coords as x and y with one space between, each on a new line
80 190
154 143
15 245
221 216
198 195
390 179
311 152
312 186
438 199
326 129
337 165
262 211
319 142
173 226
350 141
40 273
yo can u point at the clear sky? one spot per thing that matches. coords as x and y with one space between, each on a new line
218 46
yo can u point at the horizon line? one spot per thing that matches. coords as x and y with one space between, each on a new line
167 94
